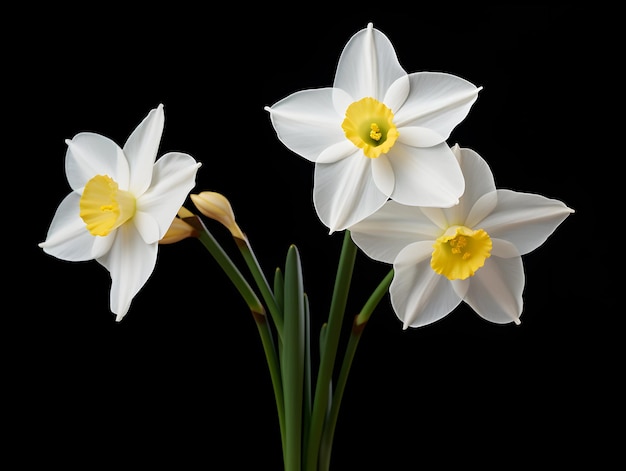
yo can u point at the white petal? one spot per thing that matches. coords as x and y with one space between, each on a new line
307 123
420 296
382 173
525 219
68 237
341 101
368 65
495 291
102 245
147 226
344 192
438 101
504 249
461 287
438 216
90 154
415 136
426 177
141 149
337 152
480 210
173 177
478 182
385 233
130 262
397 93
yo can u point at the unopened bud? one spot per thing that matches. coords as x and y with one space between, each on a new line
215 206
178 230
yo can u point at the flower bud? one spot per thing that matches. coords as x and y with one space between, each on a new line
179 229
215 206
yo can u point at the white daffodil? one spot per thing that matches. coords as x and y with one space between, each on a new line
470 252
378 133
122 203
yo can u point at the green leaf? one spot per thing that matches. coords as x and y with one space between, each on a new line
294 339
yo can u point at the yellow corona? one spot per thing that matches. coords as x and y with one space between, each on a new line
460 251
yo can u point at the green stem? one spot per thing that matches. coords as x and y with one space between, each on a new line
262 283
360 321
275 374
257 309
224 261
329 352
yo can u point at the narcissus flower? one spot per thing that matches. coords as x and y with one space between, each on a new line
378 133
470 252
122 203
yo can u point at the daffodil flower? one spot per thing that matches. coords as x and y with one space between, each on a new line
470 252
377 133
122 203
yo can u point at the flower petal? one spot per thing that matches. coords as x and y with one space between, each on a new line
420 296
89 154
336 152
307 123
397 93
438 216
394 226
480 210
368 65
345 192
525 219
382 173
130 262
68 237
147 226
173 177
478 182
141 149
495 291
416 136
438 101
426 177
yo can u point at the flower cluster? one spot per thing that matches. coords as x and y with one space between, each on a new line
384 174
384 171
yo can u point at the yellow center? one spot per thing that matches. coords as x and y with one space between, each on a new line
369 125
460 252
104 207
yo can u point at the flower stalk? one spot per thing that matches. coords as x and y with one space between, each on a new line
329 350
258 313
358 326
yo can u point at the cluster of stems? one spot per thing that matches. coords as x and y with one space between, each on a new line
307 401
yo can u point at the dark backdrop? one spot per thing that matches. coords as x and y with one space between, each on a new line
182 379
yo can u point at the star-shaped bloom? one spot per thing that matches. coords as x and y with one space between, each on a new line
122 203
470 252
377 133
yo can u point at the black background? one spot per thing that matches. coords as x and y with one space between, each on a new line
182 379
